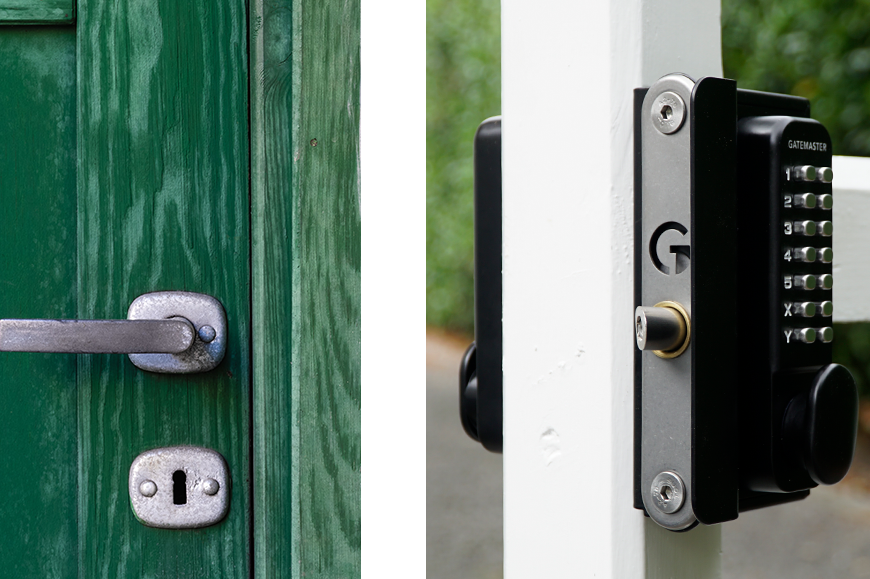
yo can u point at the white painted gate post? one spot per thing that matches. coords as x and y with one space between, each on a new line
568 71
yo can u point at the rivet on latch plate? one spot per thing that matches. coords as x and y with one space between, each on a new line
179 487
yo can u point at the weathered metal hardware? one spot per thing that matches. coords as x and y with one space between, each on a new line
168 332
179 487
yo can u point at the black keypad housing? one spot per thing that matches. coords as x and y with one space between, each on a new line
783 351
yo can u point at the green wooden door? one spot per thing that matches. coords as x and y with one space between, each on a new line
138 152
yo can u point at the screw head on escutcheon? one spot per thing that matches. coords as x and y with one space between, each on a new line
668 112
210 487
667 492
148 488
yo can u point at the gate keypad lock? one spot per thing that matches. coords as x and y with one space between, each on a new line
737 403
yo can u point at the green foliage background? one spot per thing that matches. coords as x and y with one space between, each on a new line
818 49
463 87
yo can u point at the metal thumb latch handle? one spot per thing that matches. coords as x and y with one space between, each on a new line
169 332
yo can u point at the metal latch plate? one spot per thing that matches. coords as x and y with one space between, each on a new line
209 321
179 487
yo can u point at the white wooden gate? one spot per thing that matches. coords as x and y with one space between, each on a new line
568 70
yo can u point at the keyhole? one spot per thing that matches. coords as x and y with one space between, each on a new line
179 488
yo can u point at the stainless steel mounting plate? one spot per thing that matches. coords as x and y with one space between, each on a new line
666 404
154 487
209 323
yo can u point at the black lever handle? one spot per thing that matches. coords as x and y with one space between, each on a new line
821 425
468 392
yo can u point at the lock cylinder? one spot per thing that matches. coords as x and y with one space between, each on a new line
663 328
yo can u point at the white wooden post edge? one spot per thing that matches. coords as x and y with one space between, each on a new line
568 71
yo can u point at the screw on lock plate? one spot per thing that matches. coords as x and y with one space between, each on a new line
179 487
667 492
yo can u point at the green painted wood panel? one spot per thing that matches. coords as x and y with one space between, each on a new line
37 11
275 432
163 204
37 279
306 270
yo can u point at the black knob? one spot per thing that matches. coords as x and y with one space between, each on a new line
468 392
821 425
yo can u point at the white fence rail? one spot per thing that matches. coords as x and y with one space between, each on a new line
851 239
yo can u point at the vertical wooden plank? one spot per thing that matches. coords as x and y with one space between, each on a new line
568 70
163 204
37 280
306 269
326 313
276 524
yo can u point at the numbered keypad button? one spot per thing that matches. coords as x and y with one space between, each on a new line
807 282
825 308
805 335
804 173
805 200
825 281
825 201
807 228
803 254
825 228
826 255
825 334
804 309
824 174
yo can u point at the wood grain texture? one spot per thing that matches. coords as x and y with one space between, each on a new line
306 267
163 204
37 279
274 391
37 11
851 239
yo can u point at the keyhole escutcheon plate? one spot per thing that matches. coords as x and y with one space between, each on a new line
155 476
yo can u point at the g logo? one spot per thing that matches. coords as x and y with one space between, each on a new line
667 252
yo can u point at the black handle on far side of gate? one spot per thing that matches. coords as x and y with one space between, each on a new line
480 375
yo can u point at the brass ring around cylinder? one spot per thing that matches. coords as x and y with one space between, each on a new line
668 354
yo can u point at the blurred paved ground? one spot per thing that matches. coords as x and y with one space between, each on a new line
825 536
463 481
